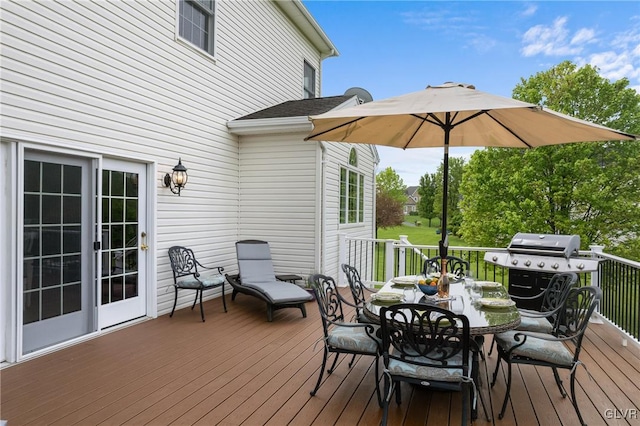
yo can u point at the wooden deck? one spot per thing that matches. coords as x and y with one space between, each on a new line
238 369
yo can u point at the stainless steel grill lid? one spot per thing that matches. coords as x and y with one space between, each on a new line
544 253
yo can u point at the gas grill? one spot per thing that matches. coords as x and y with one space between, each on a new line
533 259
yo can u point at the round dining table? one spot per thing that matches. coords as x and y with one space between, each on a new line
485 317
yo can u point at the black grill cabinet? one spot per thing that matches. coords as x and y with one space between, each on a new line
525 283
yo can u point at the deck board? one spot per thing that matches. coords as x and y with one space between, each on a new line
239 369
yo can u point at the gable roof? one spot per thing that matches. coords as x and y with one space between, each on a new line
411 190
299 108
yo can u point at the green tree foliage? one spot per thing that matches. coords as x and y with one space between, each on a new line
591 189
456 167
427 193
389 182
390 198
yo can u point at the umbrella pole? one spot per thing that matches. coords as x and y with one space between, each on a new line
444 242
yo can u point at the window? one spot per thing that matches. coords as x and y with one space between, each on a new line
309 81
351 192
197 23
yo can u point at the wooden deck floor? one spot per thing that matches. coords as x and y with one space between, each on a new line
238 369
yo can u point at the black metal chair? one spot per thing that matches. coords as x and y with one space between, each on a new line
186 276
551 350
339 336
455 265
359 292
429 346
552 299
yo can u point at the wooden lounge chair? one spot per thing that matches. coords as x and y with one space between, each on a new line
257 278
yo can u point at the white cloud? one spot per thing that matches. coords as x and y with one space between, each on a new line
530 10
584 35
550 40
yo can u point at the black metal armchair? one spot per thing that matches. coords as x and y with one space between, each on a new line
455 265
552 299
359 292
551 350
428 346
186 276
339 336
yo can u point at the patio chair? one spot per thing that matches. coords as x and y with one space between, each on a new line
359 292
455 265
428 346
560 349
257 278
186 276
552 299
339 336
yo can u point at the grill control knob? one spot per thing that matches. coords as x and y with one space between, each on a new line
527 263
541 264
514 262
555 266
580 265
495 258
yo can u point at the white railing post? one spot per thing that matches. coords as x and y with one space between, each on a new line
388 258
402 258
342 256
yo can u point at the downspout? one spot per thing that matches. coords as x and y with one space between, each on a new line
321 225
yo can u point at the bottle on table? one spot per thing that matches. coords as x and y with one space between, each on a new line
443 281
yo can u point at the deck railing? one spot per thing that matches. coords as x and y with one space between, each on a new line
380 260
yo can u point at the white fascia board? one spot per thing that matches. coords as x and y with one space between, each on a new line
300 16
261 126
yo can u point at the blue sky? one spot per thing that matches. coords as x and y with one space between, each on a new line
394 47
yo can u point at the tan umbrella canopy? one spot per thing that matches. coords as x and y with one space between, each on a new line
455 114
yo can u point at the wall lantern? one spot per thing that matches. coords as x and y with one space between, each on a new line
178 179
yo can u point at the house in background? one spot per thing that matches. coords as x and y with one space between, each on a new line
411 204
100 100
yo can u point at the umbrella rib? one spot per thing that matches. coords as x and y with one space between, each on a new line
332 129
509 130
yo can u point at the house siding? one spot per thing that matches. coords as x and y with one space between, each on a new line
112 79
278 198
338 156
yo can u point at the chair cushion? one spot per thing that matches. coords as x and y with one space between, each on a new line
353 339
407 369
538 349
280 292
541 325
206 281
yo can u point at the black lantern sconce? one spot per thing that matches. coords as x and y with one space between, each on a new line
177 179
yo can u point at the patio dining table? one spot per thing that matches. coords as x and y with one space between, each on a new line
483 317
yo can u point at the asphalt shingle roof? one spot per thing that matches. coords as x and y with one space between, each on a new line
299 108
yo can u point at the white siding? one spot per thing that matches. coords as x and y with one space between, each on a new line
278 188
111 78
337 156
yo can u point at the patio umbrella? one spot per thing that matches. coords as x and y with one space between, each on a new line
454 114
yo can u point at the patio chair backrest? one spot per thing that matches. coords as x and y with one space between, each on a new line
557 290
574 316
426 336
254 262
328 299
183 262
355 284
455 265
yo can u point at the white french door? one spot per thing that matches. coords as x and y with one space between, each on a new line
58 296
123 281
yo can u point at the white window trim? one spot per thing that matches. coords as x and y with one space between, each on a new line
209 55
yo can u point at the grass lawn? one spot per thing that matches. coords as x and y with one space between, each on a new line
421 235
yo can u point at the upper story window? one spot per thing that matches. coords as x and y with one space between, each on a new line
309 81
196 23
351 192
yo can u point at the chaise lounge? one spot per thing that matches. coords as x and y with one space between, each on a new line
257 278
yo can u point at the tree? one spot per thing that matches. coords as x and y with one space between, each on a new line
389 210
591 189
427 192
456 167
390 198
